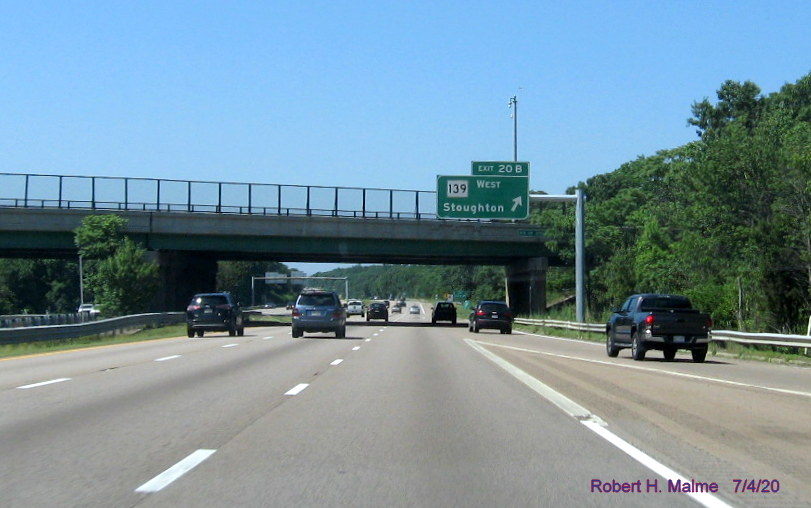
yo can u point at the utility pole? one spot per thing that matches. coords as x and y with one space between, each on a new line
514 105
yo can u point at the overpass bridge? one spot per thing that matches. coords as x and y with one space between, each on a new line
190 225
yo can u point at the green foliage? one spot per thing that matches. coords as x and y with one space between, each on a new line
117 274
99 235
125 283
725 220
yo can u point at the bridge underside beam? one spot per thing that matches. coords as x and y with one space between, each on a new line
526 286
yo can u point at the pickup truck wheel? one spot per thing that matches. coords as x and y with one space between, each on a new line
190 332
638 348
670 353
611 348
699 354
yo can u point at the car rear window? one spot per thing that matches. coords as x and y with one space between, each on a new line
444 306
320 300
649 304
212 300
494 307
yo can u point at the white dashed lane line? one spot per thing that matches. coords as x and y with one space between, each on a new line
166 358
355 348
230 345
43 383
175 472
297 389
336 362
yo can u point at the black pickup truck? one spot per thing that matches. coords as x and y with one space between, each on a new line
657 321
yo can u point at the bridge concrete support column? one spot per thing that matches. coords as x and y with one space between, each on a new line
182 274
526 286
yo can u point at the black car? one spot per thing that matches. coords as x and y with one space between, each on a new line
491 314
214 312
443 311
317 310
377 310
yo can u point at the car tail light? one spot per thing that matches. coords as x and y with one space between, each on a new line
224 306
296 312
649 319
481 312
192 308
337 314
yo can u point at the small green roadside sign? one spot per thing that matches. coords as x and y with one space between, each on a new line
499 168
482 197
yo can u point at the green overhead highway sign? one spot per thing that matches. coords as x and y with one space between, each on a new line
500 168
482 197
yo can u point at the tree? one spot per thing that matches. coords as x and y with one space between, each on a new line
116 270
125 283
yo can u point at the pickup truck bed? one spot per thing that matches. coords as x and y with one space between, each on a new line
658 321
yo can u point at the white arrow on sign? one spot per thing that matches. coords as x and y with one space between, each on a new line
517 202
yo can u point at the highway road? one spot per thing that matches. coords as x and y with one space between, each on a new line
397 414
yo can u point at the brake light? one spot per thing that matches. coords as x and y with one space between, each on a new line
480 312
337 314
649 319
296 312
192 308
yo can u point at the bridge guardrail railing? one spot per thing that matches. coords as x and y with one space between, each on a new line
751 338
99 327
21 190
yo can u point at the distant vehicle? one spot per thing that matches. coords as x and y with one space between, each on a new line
414 309
89 308
216 312
290 305
386 303
377 310
491 314
355 308
396 308
319 311
402 303
443 311
658 321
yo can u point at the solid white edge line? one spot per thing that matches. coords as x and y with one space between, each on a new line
703 498
656 371
596 424
297 389
336 361
43 383
175 472
166 358
569 406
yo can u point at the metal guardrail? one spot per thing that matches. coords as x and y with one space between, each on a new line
103 326
568 325
761 339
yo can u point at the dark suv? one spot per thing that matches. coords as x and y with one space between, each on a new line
491 314
319 311
214 312
443 311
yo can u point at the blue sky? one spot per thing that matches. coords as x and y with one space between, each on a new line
372 94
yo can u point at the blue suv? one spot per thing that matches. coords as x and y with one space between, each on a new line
319 311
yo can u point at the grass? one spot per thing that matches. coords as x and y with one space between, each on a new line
34 348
